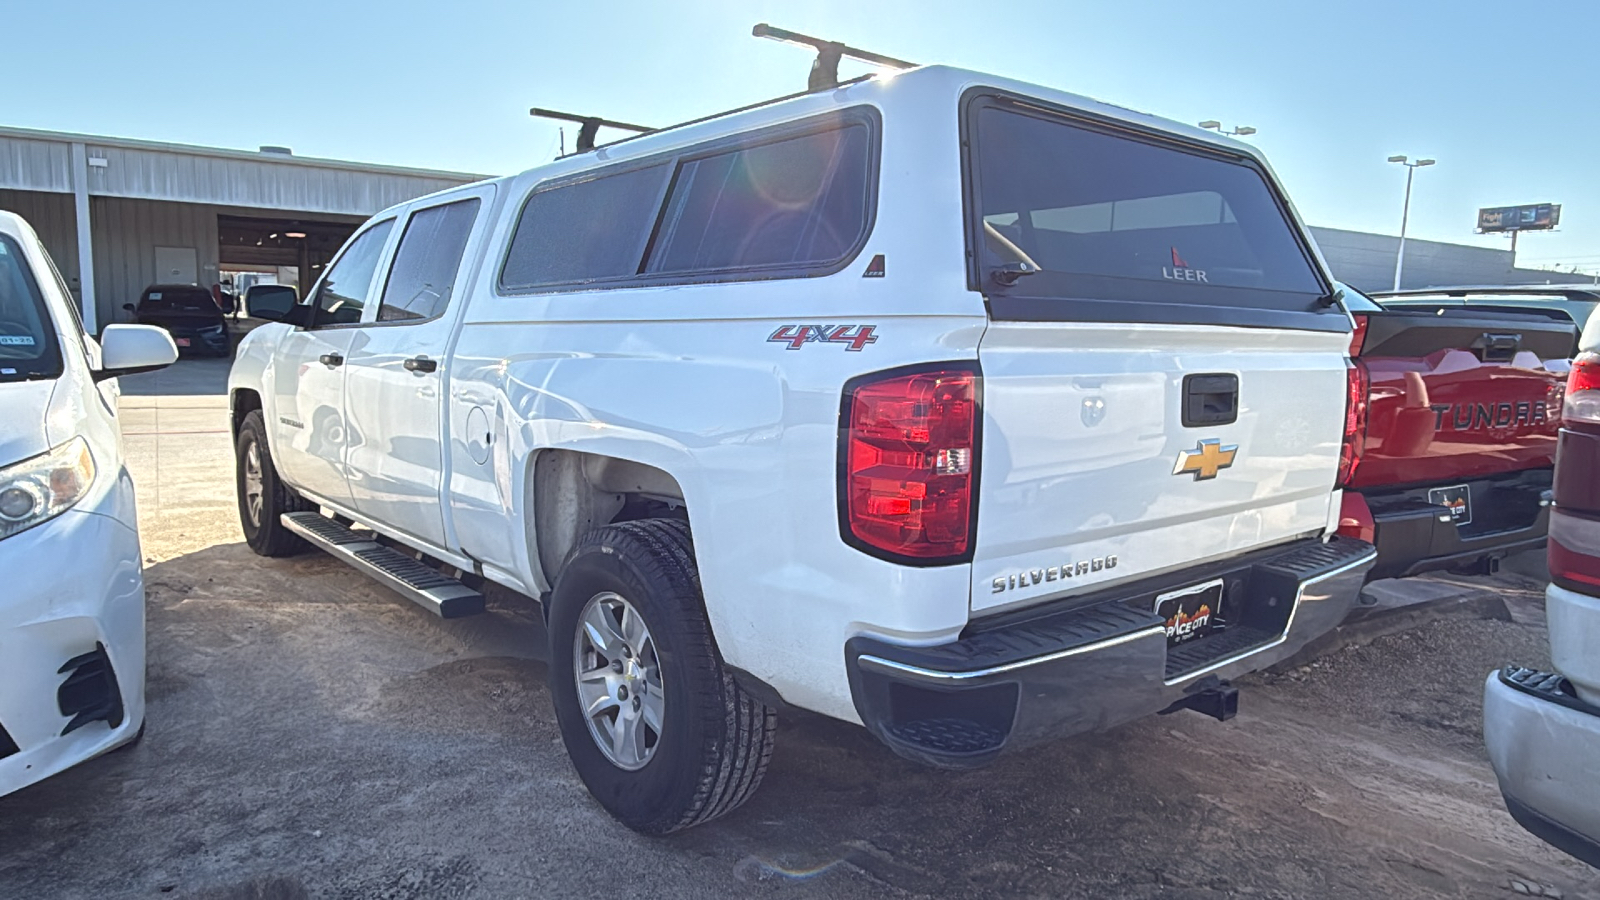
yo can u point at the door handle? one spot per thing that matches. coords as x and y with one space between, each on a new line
331 360
1210 399
421 364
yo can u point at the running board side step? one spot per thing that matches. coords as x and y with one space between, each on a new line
431 589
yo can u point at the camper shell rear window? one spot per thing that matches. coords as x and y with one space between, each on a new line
1073 217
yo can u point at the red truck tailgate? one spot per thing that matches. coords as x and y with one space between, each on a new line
1454 395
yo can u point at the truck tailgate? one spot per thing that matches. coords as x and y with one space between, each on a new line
1457 395
1083 477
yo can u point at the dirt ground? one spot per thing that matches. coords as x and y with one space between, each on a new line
313 735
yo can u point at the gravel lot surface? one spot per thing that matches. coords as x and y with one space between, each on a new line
313 735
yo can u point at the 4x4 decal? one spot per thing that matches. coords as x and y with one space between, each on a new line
855 337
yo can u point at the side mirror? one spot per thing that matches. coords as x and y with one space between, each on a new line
129 307
270 302
301 315
131 349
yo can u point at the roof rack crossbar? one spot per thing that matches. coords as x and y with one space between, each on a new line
825 68
588 126
717 115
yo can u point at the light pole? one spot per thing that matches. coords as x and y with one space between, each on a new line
1240 131
1405 212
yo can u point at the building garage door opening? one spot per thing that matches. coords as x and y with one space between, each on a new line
276 251
120 215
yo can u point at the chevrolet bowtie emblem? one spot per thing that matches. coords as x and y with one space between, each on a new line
1206 459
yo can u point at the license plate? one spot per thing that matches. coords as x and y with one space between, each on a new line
1190 613
182 342
1457 499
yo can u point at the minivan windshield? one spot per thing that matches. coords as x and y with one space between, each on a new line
1112 215
27 337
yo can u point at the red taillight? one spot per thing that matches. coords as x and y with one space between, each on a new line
1355 421
1583 390
1574 551
910 458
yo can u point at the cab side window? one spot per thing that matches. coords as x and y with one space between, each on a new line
425 266
343 293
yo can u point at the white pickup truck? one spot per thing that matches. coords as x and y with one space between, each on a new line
964 409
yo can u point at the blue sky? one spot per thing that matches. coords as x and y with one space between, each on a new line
1502 94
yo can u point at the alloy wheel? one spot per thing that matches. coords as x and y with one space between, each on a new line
619 681
252 482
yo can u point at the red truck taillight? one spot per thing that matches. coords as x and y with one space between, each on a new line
1574 556
1355 421
1355 406
1583 391
909 462
1575 523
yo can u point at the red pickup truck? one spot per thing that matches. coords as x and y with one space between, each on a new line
1452 434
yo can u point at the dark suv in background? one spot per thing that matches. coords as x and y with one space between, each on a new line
189 314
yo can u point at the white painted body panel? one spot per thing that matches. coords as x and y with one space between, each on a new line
684 379
753 444
395 459
74 580
1082 433
307 426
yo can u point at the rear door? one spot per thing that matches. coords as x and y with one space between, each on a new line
1164 378
395 375
309 432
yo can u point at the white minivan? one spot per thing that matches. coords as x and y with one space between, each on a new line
71 591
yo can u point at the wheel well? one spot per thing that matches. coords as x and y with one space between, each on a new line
574 493
242 403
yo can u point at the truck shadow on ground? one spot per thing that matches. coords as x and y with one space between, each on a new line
311 732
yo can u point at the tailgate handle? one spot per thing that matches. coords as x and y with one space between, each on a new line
1494 347
1210 400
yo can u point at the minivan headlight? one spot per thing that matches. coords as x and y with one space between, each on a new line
39 489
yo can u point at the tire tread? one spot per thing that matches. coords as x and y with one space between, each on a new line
740 729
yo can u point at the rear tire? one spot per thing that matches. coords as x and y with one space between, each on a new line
263 497
628 613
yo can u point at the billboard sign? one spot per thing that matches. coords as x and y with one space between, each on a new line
1533 217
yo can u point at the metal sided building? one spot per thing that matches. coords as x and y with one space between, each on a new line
1365 261
119 215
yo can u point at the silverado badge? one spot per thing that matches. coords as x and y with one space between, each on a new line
1206 459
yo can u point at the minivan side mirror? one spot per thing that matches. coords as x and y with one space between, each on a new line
129 307
270 302
131 349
